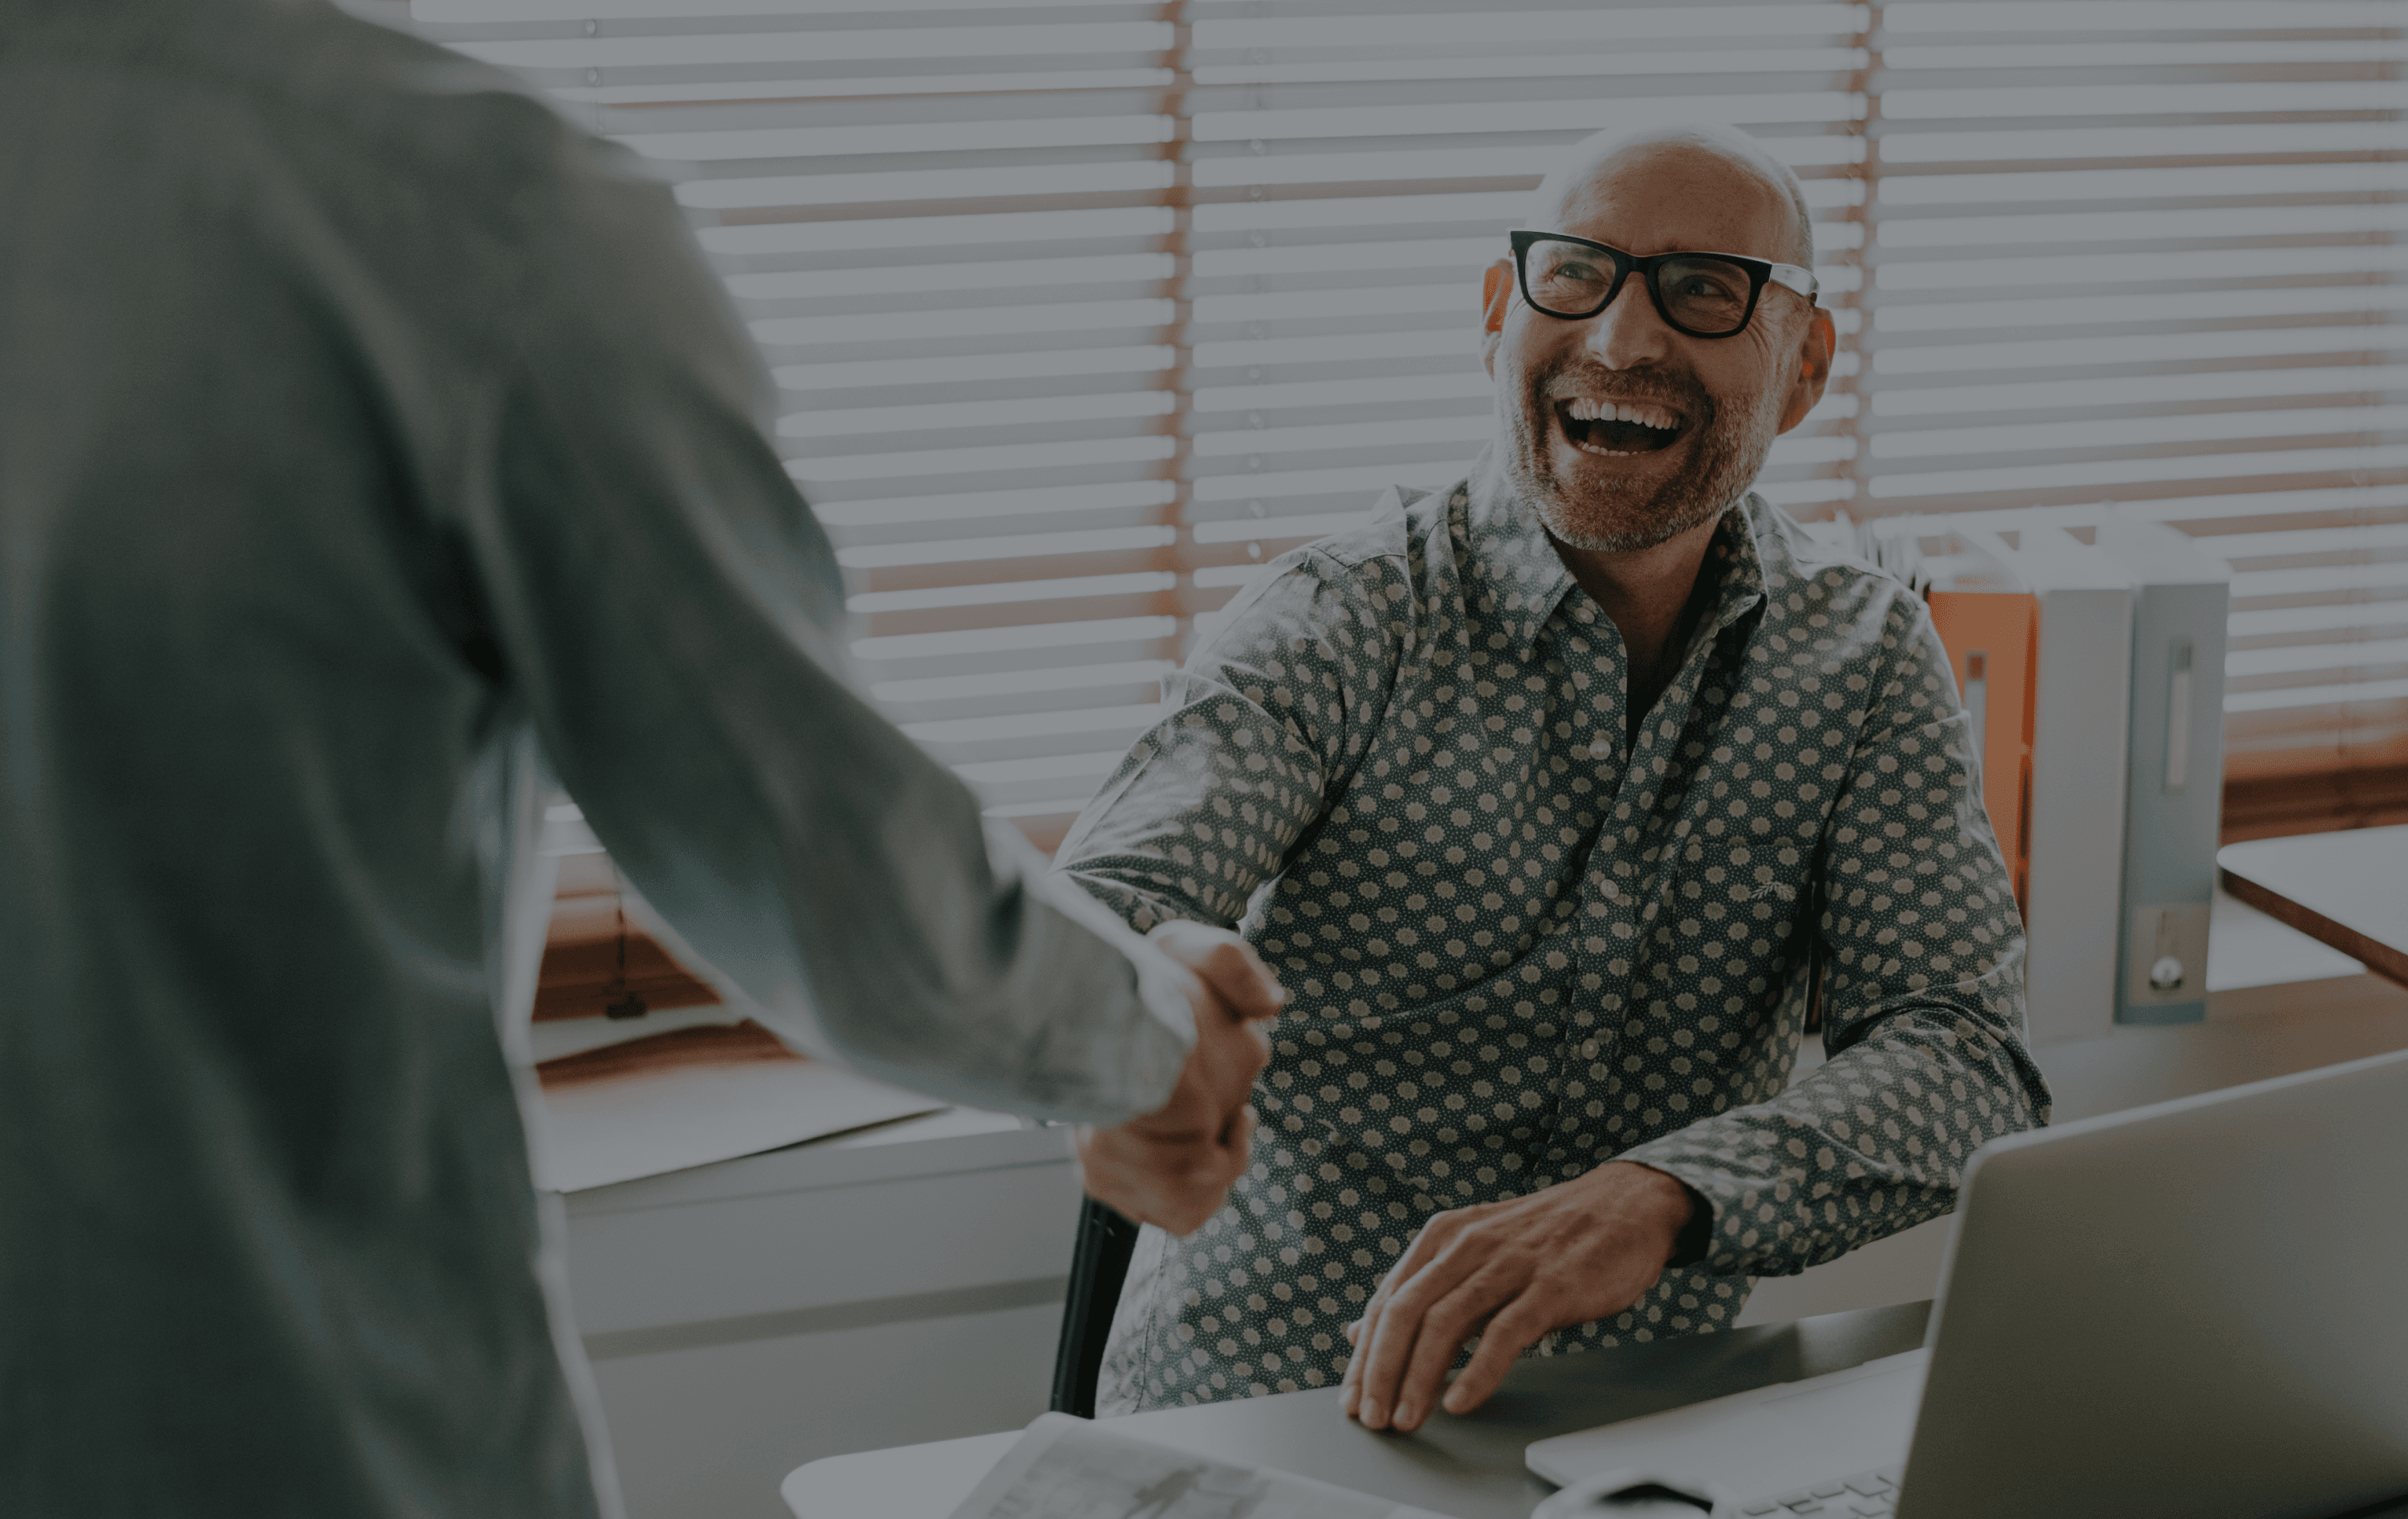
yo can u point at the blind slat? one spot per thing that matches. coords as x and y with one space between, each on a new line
1074 331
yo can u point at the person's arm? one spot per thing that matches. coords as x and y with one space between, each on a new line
1264 724
1923 1006
667 610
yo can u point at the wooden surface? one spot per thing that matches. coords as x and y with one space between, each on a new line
581 973
744 1043
2319 801
1469 1467
2348 889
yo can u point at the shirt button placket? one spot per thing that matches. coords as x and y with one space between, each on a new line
1594 1028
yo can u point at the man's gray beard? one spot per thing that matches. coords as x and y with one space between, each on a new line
1731 452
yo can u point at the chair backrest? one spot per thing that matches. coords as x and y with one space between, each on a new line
1099 1261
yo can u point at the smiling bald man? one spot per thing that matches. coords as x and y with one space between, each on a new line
1551 793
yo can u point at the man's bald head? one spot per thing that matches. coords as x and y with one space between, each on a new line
1721 156
1620 429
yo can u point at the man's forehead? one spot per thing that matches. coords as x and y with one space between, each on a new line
1669 188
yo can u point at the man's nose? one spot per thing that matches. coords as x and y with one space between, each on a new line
1628 332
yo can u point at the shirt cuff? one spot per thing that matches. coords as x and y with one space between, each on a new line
1709 1238
1690 1246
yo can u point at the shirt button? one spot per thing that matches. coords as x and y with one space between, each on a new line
1588 1050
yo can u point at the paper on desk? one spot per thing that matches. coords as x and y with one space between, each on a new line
591 1136
1068 1466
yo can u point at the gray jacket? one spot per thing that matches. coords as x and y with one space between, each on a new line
369 439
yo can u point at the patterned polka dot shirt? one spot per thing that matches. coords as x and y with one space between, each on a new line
1522 944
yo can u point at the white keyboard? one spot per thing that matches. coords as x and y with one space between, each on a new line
1866 1493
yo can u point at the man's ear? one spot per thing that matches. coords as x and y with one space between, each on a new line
1814 369
1496 292
1496 288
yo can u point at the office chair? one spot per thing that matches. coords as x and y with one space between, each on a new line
1099 1262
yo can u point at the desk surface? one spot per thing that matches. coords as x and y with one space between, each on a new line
1469 1466
2347 889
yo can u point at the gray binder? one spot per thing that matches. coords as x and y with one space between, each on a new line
2174 781
2074 824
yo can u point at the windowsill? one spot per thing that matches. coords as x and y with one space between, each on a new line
2258 970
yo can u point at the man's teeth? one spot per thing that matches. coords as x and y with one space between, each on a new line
1583 408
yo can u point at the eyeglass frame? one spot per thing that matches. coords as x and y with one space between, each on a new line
1760 272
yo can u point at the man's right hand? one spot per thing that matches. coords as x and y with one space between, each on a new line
1173 1167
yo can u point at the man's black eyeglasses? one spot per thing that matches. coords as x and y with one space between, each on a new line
1702 294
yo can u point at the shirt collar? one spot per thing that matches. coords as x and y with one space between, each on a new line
1516 580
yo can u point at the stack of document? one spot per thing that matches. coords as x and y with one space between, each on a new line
1065 1465
672 1101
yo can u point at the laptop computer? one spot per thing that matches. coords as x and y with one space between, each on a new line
2198 1309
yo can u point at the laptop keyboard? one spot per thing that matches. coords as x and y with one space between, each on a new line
1866 1493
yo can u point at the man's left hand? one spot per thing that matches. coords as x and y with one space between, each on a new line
1510 1271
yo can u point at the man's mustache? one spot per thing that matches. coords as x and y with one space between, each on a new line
1690 399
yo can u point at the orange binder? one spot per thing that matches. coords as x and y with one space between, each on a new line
1989 621
1991 636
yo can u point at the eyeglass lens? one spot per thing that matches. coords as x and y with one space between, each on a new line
1706 294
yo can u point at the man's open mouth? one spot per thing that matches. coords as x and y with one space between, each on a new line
1617 427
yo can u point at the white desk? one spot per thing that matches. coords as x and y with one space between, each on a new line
1469 1467
2347 889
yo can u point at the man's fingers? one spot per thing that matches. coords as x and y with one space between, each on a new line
1380 1357
1431 1239
1448 1325
1513 1329
1239 974
1431 1242
1239 1133
1174 1182
1358 1334
1225 962
1388 1345
1363 1331
1215 1081
1236 1147
1215 1168
1450 1254
1199 1175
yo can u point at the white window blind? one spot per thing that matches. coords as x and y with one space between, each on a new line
1081 311
2149 252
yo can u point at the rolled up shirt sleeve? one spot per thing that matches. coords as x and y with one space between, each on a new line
1922 949
668 610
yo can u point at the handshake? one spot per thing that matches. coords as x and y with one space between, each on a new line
1173 1167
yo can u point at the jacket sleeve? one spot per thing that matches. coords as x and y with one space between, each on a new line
669 612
